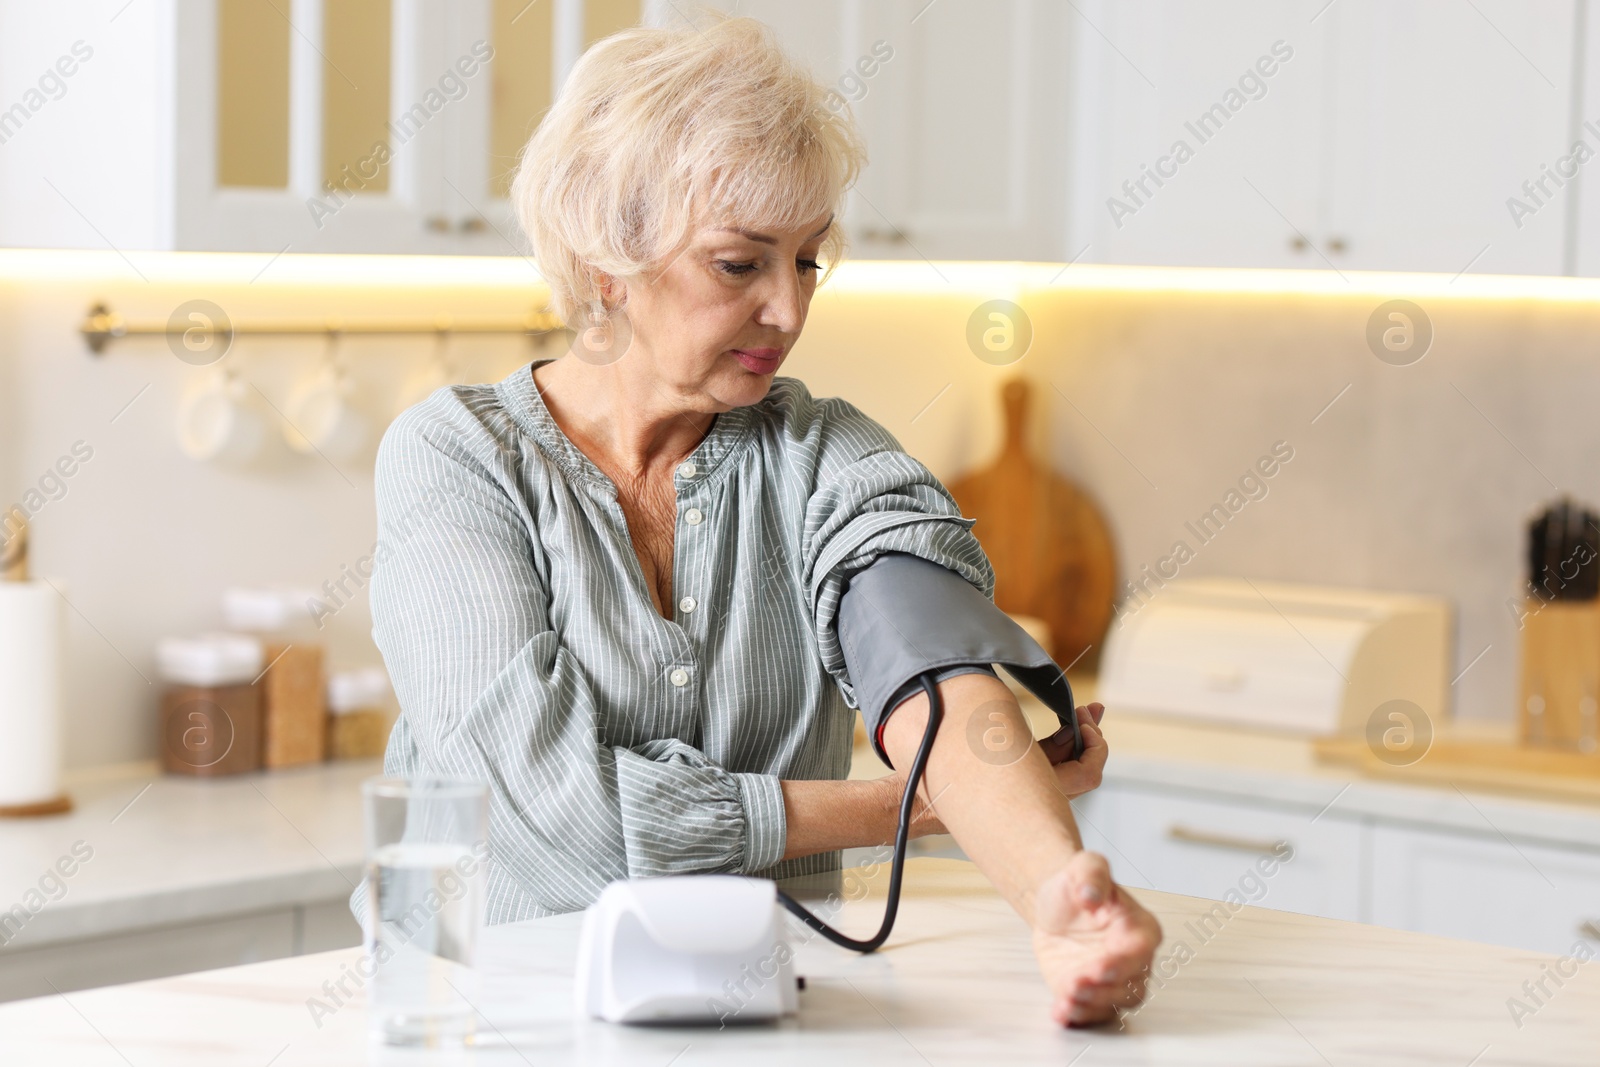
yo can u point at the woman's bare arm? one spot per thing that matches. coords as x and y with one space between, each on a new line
826 815
1093 941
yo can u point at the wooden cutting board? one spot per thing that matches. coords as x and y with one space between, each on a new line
1048 542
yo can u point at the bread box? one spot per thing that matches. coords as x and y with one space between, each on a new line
1294 658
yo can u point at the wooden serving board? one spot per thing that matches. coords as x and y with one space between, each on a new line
1477 764
1049 544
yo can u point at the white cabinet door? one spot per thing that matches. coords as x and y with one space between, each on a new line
1203 847
1198 132
1387 137
963 104
143 954
1094 812
1585 188
1485 889
329 925
1440 112
85 124
328 203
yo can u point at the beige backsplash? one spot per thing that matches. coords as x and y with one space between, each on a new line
1156 400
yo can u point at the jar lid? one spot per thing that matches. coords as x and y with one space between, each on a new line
256 610
211 659
358 689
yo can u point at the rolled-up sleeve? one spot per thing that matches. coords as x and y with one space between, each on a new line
489 691
871 498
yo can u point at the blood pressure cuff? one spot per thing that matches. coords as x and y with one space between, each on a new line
903 616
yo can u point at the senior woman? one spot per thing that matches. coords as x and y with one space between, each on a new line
613 581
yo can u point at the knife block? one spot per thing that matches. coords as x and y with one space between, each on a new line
1560 688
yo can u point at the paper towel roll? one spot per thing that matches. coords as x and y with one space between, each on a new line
30 693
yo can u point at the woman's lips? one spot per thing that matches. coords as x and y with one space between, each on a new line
759 360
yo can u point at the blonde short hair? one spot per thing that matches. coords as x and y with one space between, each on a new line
655 125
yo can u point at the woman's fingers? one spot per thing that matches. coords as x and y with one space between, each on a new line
1095 1002
1058 746
1127 946
1076 777
1089 874
1095 942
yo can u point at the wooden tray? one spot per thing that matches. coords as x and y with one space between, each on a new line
1500 766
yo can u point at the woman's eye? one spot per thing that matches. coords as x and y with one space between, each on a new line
736 269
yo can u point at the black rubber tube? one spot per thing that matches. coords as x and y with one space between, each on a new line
901 837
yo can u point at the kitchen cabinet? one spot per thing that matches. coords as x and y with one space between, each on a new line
1163 171
271 125
165 950
1440 113
1361 134
1505 890
1210 847
963 107
1356 135
1492 889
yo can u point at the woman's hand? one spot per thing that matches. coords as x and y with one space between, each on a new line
1094 942
1077 777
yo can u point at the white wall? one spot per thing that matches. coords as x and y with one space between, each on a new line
144 539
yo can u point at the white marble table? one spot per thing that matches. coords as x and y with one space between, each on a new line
955 985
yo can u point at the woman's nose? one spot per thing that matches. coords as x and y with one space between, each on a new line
783 304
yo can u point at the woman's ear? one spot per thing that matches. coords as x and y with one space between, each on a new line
603 287
614 293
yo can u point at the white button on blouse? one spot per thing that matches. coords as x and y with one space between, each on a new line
679 677
688 470
693 517
687 604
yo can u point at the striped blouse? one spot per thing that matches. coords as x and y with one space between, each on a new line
526 651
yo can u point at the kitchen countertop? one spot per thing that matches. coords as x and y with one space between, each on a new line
170 849
956 984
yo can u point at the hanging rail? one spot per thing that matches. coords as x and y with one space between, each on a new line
101 326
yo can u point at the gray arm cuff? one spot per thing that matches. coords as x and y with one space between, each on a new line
904 616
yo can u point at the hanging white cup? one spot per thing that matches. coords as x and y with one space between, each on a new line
219 423
322 419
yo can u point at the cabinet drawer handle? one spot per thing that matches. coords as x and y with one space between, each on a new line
1590 929
1176 832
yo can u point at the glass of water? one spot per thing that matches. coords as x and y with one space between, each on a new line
427 850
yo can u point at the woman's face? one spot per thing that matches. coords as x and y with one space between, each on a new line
717 322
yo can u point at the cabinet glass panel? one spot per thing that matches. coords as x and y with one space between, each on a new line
523 59
356 37
252 95
524 75
602 18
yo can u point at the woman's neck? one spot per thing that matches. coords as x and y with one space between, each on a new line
622 419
